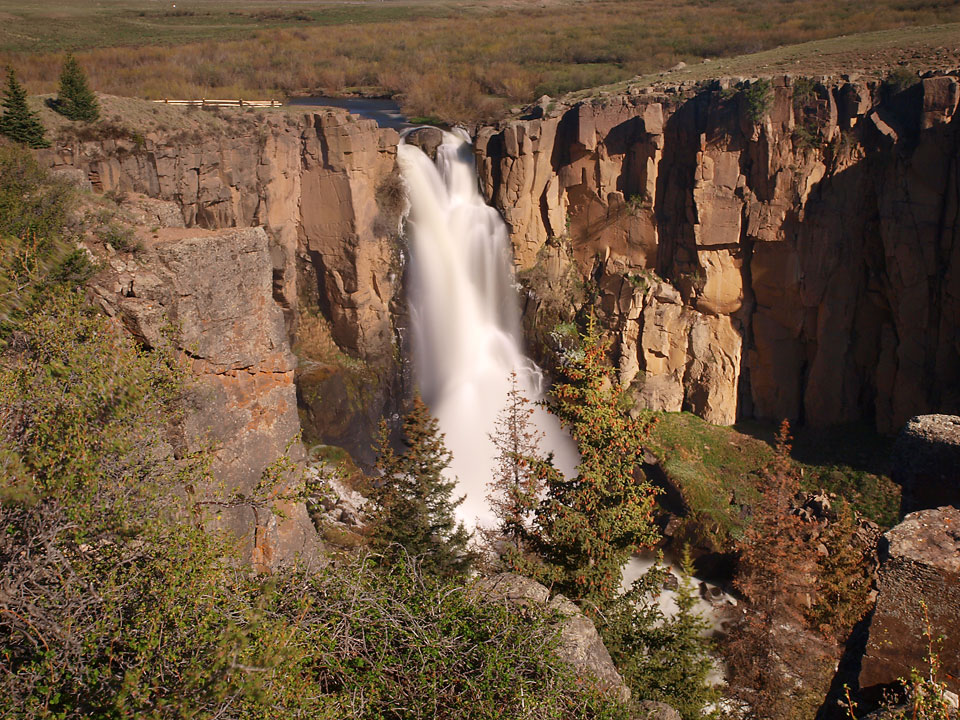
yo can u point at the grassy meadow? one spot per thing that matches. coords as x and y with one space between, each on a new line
456 60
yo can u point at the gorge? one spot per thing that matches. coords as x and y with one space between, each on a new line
751 249
783 252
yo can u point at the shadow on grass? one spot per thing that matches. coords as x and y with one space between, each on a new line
850 459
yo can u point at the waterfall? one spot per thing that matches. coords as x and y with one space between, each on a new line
466 329
465 317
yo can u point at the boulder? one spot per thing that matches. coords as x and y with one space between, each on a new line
919 584
580 643
926 462
427 139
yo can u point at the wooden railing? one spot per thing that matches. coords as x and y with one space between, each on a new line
202 102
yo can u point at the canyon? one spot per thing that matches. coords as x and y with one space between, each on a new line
753 249
802 263
777 248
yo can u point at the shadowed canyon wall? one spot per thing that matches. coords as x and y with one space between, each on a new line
789 250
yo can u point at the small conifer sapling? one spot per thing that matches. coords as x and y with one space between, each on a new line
516 487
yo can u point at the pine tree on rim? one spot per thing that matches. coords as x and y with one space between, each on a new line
18 122
76 100
413 503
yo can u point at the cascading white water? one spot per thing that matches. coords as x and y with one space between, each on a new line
465 317
466 326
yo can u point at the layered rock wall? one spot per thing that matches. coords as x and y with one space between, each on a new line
209 294
786 251
315 183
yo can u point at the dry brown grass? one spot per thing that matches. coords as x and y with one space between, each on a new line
473 64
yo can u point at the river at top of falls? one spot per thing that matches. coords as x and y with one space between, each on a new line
465 318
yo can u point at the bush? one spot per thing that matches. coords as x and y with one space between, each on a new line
758 97
34 253
118 604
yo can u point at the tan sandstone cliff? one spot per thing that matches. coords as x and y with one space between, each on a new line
791 255
323 187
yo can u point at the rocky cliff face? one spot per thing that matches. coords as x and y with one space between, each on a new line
919 583
209 294
786 249
324 189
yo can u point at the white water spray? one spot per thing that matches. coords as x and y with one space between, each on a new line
466 318
466 325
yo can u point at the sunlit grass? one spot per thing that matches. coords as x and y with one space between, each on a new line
449 59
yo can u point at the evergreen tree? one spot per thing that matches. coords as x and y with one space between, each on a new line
515 490
413 505
588 527
76 100
662 657
18 122
844 577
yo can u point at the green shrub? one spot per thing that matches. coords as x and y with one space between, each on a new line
31 203
758 97
119 238
899 79
35 253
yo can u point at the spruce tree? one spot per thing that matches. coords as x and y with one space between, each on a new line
589 526
515 490
18 122
76 100
413 504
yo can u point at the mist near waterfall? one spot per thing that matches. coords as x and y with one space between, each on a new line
465 318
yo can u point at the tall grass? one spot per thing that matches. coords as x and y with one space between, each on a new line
470 65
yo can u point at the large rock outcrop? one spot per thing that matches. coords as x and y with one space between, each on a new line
791 251
919 583
209 294
324 188
926 462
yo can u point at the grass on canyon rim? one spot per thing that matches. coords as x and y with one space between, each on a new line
457 60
